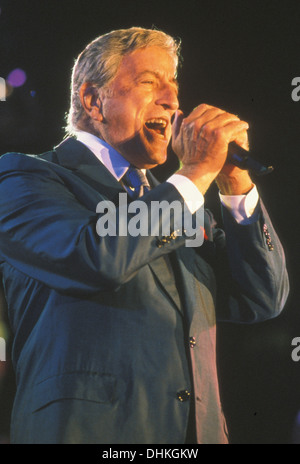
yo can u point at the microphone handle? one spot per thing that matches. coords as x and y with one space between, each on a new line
242 159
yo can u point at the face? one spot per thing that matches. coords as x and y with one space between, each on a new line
138 107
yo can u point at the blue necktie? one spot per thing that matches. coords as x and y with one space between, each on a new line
136 182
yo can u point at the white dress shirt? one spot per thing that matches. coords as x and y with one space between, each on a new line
240 206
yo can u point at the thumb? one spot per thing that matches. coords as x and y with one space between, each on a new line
177 124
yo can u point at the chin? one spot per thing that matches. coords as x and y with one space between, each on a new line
145 155
158 154
154 159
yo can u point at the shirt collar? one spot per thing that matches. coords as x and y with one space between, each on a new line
112 160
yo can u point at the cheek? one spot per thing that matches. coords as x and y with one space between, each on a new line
127 117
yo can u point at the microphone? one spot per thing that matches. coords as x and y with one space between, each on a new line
242 159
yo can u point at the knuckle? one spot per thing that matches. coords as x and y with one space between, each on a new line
203 106
197 124
207 130
222 134
218 133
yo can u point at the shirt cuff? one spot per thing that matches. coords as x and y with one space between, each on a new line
242 207
188 190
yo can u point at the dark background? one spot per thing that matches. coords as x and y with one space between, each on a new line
238 55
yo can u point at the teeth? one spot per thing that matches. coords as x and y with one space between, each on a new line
161 122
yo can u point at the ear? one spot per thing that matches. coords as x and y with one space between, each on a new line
91 102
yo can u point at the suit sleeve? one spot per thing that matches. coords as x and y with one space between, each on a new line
50 235
252 279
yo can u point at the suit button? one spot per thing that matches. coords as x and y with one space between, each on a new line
183 395
192 342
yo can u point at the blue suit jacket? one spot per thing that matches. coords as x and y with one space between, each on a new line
109 346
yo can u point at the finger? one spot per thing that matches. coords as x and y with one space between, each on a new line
218 128
242 140
197 121
232 131
212 119
202 113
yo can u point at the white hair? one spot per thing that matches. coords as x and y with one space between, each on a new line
99 61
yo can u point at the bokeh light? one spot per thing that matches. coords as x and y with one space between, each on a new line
17 77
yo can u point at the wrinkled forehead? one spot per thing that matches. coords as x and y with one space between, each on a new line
156 60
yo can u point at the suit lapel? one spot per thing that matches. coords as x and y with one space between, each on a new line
75 156
164 268
165 277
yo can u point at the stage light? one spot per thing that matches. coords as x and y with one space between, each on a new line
9 89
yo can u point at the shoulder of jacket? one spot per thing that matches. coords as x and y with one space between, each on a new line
14 161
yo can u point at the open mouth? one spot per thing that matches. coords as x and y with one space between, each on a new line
157 125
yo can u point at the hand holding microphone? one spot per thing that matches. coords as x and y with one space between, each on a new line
208 143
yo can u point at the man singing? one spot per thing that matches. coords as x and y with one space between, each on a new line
115 335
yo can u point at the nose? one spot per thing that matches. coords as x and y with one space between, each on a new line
167 97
